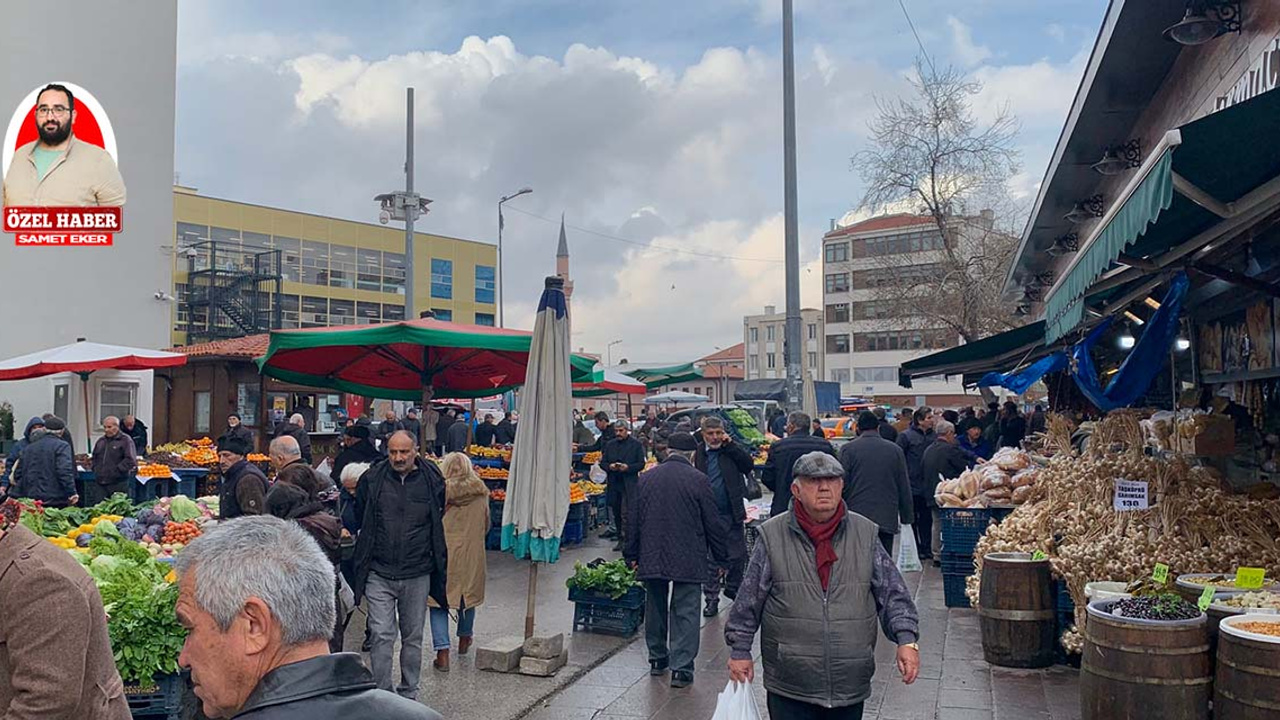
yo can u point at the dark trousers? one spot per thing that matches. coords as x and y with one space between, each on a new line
95 492
618 497
923 526
733 568
886 539
784 708
671 614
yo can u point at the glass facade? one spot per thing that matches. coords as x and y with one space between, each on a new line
485 283
445 315
441 279
485 319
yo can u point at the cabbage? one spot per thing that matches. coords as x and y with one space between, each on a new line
106 529
183 509
103 566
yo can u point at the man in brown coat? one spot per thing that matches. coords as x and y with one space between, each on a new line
114 460
55 656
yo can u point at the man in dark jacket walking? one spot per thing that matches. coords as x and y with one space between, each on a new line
887 430
244 487
672 527
387 427
486 431
35 423
442 431
458 437
411 424
943 460
46 470
876 485
400 557
137 432
783 454
114 461
914 441
272 660
506 432
355 448
726 465
623 460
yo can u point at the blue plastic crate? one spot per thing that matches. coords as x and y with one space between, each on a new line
161 699
955 564
155 488
573 532
1065 603
495 512
598 613
953 590
963 527
493 539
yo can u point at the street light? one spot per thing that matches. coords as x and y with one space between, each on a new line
608 352
501 294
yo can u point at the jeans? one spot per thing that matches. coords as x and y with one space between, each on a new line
886 539
405 601
440 626
784 708
733 568
678 621
923 526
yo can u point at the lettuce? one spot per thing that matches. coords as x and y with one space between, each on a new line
183 509
106 529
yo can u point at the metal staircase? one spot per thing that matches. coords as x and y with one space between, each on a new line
231 292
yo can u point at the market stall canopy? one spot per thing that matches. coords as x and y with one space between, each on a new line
396 361
1001 351
1201 182
611 383
84 357
676 397
656 376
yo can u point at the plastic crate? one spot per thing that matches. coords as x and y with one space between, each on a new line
953 590
162 699
573 532
963 527
598 613
493 539
495 512
953 564
155 488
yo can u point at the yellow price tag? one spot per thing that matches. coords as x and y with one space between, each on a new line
1248 578
1038 555
1161 573
1206 598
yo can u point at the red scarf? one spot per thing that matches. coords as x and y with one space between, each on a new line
821 533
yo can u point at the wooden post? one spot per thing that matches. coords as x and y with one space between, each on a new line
428 392
531 601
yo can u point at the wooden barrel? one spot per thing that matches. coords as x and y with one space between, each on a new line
1217 612
1143 668
1016 606
1248 681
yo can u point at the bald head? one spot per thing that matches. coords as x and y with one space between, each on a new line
402 451
284 450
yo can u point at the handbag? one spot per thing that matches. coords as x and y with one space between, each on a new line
753 489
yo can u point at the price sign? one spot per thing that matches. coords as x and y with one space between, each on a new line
1248 578
1206 598
1038 555
1161 573
1131 495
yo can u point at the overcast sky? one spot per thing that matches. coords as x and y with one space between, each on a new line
657 122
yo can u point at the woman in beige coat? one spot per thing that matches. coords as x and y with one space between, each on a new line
466 522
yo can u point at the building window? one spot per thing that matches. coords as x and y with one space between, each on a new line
770 361
837 282
753 363
392 313
315 263
393 273
838 313
315 311
369 313
203 411
907 276
875 374
813 331
813 360
342 312
873 310
840 375
935 339
289 311
485 319
837 252
290 257
485 284
118 399
247 402
768 333
442 279
754 334
441 314
838 344
369 269
342 266
918 241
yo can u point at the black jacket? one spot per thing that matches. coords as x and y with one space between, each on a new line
606 436
1012 431
914 442
412 426
243 433
387 428
329 687
778 470
888 431
506 432
735 465
941 459
456 439
629 452
875 481
138 434
361 452
16 452
229 495
485 432
442 428
114 459
297 433
46 471
673 523
401 532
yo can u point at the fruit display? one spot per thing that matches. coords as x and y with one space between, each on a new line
168 458
201 456
155 471
1167 606
172 448
593 488
498 495
181 533
257 457
576 493
203 442
488 473
592 458
489 453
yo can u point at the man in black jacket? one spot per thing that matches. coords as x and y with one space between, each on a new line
411 424
236 429
914 441
606 432
623 460
244 487
137 432
63 433
670 530
114 461
887 431
876 485
356 448
486 431
442 430
268 659
400 557
777 473
46 471
387 427
943 460
506 432
726 465
459 436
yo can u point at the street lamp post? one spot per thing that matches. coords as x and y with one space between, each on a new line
608 353
406 205
502 295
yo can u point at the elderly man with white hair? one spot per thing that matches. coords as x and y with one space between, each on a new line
943 460
296 429
255 595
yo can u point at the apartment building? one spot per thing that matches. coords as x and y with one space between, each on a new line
762 336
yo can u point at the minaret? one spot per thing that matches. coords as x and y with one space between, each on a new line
562 268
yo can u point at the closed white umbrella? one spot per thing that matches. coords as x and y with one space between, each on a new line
809 395
537 503
676 397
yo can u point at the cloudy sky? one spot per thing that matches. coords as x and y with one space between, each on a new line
657 123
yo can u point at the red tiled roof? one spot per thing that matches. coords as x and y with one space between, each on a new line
728 372
884 222
248 347
733 352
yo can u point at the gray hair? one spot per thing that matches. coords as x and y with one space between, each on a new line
800 421
710 423
268 558
286 446
353 471
297 419
943 427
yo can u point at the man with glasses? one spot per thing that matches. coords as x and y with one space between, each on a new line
57 169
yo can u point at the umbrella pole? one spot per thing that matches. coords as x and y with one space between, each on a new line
472 424
88 428
428 392
531 600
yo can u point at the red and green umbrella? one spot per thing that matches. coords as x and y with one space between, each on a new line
408 360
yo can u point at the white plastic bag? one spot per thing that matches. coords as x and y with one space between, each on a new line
908 556
736 702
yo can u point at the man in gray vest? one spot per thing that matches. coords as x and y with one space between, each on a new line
817 582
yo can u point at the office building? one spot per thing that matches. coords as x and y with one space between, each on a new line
763 337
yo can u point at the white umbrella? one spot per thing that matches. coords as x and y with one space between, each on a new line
538 484
676 397
809 395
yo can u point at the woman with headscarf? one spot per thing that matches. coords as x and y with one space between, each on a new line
466 522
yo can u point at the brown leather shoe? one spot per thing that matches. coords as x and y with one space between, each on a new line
441 663
464 644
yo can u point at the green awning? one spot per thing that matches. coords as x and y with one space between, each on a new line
998 352
659 376
1223 157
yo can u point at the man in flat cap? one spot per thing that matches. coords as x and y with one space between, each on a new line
671 526
244 487
817 583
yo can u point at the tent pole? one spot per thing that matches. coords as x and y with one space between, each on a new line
428 392
471 425
88 431
531 600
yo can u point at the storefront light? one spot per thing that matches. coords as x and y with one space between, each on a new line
1204 21
1182 344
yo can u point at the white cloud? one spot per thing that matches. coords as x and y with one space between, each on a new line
1038 93
963 47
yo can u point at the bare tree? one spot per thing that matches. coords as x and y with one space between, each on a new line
930 155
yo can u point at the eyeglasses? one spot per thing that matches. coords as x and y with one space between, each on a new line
45 111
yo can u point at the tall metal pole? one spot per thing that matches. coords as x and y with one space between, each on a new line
791 348
502 296
409 212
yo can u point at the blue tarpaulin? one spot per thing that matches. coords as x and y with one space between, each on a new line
1018 382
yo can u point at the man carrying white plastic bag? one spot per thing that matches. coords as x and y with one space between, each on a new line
817 582
736 703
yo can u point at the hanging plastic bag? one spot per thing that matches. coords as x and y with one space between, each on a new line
736 702
908 556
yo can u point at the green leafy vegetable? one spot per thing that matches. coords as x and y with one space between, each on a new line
107 529
611 578
117 504
144 630
183 509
